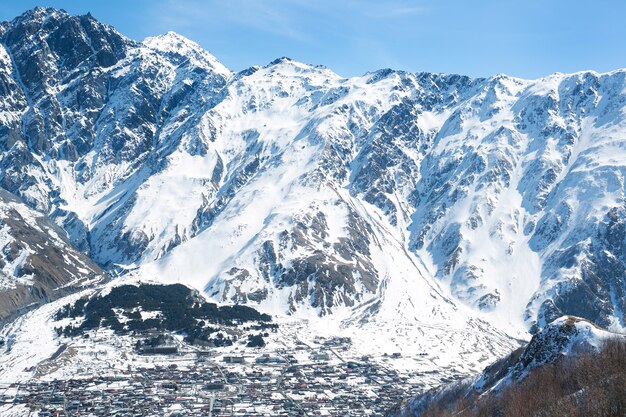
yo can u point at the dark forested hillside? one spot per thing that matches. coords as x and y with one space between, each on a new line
592 384
178 309
571 368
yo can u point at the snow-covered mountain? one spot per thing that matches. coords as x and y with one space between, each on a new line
395 196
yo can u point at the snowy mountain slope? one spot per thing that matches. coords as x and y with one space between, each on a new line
281 214
37 263
435 196
532 188
465 194
567 338
94 106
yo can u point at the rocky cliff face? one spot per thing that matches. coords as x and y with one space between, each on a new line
291 187
37 262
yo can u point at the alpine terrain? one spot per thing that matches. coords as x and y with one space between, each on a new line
412 212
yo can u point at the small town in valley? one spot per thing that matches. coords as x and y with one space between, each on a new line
314 378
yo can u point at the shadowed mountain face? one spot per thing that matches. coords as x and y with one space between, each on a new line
293 188
37 262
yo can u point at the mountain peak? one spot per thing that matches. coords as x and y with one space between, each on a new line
294 63
41 12
45 37
281 60
174 43
288 66
169 41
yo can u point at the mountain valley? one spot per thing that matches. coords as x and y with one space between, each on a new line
437 221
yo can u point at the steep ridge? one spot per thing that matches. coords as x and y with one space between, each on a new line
563 357
496 200
88 119
37 262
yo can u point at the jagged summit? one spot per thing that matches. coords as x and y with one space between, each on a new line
287 67
281 60
566 336
289 61
49 19
39 13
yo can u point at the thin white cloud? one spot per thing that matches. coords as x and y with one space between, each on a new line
286 18
276 17
403 11
384 9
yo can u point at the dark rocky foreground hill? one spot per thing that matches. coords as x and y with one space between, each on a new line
571 368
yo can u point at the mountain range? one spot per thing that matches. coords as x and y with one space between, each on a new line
489 204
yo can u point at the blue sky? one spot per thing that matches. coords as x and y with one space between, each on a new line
479 38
